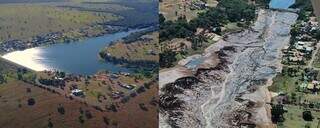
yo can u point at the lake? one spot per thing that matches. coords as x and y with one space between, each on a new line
80 57
281 4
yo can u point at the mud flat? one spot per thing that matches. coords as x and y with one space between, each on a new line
231 93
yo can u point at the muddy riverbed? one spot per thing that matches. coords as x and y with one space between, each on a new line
233 92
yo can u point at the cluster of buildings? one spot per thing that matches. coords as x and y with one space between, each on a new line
13 45
313 86
303 45
298 52
195 4
198 5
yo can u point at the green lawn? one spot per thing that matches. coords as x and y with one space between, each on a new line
137 50
284 84
294 118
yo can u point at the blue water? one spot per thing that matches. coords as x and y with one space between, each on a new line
281 4
194 63
81 57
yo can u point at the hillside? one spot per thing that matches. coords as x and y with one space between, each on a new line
25 21
44 106
145 48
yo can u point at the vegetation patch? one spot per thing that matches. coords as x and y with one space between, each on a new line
25 21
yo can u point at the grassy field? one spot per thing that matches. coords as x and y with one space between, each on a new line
288 85
138 12
294 118
137 50
44 112
14 97
284 84
24 21
171 9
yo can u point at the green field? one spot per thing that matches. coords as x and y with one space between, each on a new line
172 9
294 118
137 50
24 21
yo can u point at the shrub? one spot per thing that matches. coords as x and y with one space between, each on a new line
88 114
106 120
143 107
31 102
307 116
61 110
81 120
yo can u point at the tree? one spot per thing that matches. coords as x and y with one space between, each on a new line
2 79
167 58
236 10
50 124
106 120
20 77
88 114
162 19
61 110
307 115
31 102
317 34
277 112
294 31
81 120
293 97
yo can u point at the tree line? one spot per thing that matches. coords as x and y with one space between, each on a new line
212 19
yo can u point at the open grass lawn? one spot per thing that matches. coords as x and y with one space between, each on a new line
15 111
138 50
294 118
19 21
169 8
284 84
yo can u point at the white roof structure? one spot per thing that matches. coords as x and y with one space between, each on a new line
301 43
76 91
309 49
299 47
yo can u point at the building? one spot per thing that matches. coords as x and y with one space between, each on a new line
77 92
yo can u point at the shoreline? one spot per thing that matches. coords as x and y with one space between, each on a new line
31 57
53 38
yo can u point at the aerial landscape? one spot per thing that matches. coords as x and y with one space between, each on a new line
239 63
79 63
159 64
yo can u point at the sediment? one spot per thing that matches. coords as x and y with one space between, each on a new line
233 92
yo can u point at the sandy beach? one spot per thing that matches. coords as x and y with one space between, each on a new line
29 58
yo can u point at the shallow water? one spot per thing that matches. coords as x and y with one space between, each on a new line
281 4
